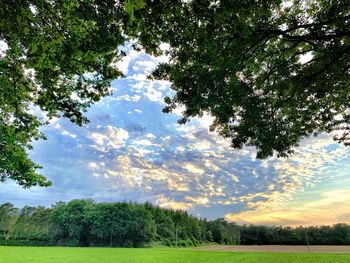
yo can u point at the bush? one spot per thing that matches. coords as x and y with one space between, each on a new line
128 243
21 242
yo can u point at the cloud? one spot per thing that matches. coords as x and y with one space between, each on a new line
124 64
165 202
198 200
110 137
145 66
131 98
3 48
150 136
193 168
149 89
143 142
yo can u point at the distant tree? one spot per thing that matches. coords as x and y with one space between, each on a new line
121 224
141 229
23 227
69 223
341 234
8 217
103 219
165 226
209 236
224 232
32 224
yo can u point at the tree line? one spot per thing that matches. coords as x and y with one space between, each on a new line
338 234
121 224
126 224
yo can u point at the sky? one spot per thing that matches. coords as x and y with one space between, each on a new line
131 151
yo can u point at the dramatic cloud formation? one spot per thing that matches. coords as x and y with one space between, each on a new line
132 151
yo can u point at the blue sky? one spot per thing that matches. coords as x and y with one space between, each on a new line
131 151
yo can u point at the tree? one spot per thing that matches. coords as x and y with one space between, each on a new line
223 232
59 57
107 223
32 224
69 224
269 72
8 217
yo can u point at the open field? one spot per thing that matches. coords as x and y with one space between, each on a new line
274 248
126 255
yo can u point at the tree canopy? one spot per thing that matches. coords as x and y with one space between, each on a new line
270 72
60 58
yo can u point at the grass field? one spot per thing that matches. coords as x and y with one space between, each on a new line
120 255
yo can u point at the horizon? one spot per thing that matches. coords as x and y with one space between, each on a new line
132 151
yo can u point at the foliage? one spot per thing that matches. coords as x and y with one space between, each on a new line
121 224
59 58
338 234
68 223
26 226
31 224
223 233
269 72
8 217
86 223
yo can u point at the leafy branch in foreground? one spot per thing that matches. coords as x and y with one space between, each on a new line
268 72
59 57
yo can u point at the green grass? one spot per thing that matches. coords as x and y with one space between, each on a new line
129 255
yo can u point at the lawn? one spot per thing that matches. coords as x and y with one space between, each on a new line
120 255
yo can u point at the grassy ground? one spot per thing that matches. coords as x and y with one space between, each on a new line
106 255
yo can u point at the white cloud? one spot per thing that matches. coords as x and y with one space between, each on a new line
193 168
150 136
146 66
123 65
143 142
166 202
110 137
198 200
127 97
66 133
92 165
201 145
3 48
